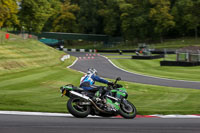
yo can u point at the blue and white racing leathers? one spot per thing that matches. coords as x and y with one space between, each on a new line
88 80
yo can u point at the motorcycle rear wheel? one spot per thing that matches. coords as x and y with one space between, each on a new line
128 111
77 110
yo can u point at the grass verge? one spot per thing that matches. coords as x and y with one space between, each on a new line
38 90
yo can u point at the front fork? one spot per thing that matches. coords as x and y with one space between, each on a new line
125 101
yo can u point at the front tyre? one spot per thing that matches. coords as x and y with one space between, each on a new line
127 110
77 110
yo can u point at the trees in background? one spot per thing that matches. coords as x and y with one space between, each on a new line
160 16
65 19
34 14
56 9
110 14
187 16
8 13
133 19
88 19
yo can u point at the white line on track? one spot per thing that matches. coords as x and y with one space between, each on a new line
73 63
37 113
177 116
146 75
90 116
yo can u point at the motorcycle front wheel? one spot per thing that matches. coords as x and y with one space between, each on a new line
77 110
127 110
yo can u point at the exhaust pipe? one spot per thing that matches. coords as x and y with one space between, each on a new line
80 95
87 98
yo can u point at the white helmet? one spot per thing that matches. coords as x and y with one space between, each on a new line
92 71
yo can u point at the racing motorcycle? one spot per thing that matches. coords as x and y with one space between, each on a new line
114 102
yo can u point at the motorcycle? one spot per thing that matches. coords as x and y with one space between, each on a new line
114 102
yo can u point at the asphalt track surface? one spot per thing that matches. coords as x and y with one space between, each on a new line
107 70
44 124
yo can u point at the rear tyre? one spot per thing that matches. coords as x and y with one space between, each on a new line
127 110
77 110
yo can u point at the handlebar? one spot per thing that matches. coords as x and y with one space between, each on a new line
115 83
117 79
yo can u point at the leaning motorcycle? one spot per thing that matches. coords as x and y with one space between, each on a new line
82 103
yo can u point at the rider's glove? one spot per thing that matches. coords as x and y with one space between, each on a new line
110 83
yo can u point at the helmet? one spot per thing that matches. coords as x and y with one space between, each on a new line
92 71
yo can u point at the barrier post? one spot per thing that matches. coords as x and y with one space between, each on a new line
7 35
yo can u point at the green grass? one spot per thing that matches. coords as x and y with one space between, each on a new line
17 54
178 43
153 68
29 72
32 74
38 90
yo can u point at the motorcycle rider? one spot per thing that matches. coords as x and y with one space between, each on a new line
87 82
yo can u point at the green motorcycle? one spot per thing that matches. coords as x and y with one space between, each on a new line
114 102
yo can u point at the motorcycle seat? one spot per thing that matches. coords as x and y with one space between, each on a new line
77 88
